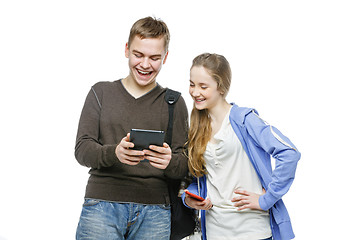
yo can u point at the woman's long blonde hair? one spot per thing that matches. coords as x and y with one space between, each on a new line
200 124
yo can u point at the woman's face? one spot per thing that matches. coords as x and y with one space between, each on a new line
204 89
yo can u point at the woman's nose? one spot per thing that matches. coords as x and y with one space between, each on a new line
194 92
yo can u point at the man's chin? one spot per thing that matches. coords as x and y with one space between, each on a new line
145 82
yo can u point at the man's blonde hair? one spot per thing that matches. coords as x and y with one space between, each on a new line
150 27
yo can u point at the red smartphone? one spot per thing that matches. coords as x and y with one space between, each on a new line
193 195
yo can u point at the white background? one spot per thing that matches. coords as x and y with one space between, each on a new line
296 62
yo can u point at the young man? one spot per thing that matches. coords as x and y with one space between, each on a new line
127 193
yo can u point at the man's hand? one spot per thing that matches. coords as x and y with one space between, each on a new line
158 157
126 155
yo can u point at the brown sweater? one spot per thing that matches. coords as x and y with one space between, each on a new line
108 115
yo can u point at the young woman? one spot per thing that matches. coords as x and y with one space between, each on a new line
230 150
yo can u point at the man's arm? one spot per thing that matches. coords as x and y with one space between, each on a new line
89 151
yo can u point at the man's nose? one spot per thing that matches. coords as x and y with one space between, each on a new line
145 63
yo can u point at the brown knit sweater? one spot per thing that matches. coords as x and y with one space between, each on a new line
108 115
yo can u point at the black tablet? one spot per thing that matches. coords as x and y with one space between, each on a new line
142 138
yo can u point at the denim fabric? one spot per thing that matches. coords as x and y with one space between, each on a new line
102 220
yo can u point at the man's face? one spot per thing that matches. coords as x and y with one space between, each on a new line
146 57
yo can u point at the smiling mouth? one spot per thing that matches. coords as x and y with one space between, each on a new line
143 73
199 100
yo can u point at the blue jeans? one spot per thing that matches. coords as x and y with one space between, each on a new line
102 220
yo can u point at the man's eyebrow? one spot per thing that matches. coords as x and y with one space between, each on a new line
138 52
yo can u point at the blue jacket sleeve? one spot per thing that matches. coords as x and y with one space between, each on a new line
193 188
274 143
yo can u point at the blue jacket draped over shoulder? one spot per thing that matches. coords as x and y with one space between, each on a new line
262 141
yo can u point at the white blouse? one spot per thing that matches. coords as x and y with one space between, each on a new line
229 168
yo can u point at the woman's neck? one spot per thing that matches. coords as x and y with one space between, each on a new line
218 112
217 115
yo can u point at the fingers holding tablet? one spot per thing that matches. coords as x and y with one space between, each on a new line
142 144
126 155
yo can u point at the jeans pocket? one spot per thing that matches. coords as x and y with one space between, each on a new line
90 202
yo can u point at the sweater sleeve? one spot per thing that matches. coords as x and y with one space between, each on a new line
89 151
177 167
286 156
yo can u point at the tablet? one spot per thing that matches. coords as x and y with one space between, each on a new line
142 138
190 194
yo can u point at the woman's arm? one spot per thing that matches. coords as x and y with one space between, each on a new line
286 156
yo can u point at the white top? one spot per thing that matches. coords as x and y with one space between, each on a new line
229 168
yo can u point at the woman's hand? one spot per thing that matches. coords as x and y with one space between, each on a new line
247 200
197 204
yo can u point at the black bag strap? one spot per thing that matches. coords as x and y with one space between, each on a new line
171 97
182 218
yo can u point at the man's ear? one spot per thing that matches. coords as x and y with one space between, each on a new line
165 57
127 50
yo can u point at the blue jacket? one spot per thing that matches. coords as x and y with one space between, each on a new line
262 141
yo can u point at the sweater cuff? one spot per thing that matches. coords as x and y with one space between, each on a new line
110 157
175 170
